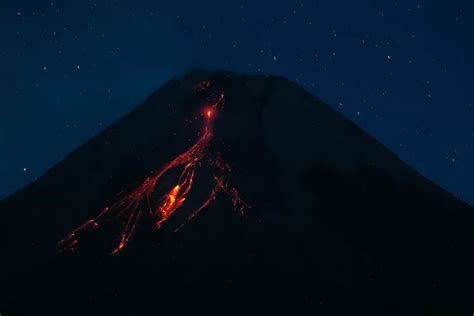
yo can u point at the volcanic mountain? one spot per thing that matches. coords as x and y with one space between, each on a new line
234 190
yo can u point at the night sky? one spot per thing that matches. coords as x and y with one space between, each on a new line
402 70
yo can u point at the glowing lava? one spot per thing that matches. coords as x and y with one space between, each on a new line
130 209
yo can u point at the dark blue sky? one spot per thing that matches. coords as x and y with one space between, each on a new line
402 70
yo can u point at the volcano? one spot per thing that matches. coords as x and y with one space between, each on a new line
230 190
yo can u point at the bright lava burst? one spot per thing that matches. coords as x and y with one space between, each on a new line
129 209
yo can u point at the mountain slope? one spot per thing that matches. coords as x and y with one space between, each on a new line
334 216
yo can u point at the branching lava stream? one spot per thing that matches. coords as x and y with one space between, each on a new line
132 207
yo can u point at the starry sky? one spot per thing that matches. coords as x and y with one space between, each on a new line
402 70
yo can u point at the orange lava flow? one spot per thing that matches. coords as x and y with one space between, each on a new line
131 208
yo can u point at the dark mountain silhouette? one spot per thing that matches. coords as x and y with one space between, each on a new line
335 218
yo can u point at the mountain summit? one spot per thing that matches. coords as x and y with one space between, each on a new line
240 190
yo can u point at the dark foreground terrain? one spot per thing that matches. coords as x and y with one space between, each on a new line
336 221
